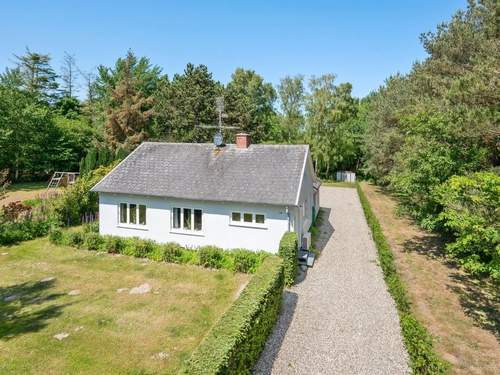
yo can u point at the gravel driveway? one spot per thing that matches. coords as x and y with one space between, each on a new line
339 319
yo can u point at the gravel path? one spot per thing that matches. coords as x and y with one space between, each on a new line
339 319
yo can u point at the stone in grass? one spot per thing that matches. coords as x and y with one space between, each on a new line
141 289
74 292
11 298
5 254
61 336
160 356
79 328
121 290
47 279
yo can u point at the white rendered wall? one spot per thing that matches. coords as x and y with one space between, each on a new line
217 229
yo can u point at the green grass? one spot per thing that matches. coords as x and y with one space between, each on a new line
338 184
419 343
27 186
109 332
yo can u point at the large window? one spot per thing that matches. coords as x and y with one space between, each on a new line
131 213
187 219
247 219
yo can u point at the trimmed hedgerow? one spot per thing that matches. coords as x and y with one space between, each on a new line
237 260
418 341
288 251
234 344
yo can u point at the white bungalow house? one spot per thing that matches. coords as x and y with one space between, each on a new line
234 196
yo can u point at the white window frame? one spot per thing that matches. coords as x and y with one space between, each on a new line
128 224
181 230
243 223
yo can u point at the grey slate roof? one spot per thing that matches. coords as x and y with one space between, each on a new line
269 174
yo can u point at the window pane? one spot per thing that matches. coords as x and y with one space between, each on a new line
187 219
142 214
259 219
236 216
133 213
247 218
176 221
197 219
123 212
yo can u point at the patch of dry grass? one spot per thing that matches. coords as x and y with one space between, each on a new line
460 311
24 191
109 332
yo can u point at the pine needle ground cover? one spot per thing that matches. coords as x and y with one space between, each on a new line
64 310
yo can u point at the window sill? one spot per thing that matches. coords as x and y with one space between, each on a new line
136 227
248 225
188 232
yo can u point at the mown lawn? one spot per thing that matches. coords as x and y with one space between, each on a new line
109 332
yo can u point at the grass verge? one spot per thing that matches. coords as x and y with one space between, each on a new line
418 341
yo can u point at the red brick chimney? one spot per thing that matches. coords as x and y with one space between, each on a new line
242 140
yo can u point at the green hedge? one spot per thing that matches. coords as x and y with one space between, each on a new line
418 341
288 251
234 344
237 260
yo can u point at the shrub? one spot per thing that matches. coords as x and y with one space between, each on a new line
246 261
114 244
211 256
418 342
288 251
56 235
77 199
74 239
235 342
91 227
472 217
13 232
93 241
170 252
143 248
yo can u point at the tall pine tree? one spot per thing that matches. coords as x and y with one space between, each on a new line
130 111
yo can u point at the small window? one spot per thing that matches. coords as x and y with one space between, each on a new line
236 216
187 219
197 219
247 218
142 214
259 218
176 220
133 213
123 213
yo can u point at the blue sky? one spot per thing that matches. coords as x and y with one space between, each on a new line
362 42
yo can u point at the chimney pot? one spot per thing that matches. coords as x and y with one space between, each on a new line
242 140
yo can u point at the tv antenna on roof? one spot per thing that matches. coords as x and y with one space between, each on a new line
218 138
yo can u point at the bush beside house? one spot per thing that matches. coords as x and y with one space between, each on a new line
234 344
237 260
288 251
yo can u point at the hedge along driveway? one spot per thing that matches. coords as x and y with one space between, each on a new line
341 318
